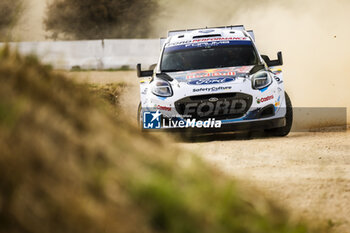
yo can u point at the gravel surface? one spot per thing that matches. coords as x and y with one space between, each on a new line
308 173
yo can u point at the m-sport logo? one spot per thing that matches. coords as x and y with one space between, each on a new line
208 81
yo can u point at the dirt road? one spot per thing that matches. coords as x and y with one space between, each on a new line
308 173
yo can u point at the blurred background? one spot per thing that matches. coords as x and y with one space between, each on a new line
312 35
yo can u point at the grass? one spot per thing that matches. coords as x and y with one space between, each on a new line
110 93
68 164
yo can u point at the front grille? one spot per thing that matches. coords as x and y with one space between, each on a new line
219 106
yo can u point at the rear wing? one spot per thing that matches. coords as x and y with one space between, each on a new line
180 32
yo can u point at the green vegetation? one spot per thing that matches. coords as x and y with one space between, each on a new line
69 165
100 19
110 93
9 14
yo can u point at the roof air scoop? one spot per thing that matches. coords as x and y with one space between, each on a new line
206 36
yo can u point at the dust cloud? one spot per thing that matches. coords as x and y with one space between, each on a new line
30 27
313 36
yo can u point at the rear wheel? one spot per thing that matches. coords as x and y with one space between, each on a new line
283 131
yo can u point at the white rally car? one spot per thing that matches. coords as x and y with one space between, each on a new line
214 79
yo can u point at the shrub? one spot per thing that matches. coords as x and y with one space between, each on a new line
9 14
100 19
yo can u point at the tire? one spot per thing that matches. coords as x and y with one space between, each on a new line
283 131
139 117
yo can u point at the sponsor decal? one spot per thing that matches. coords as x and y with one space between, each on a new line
210 81
219 107
206 43
219 39
211 89
277 71
178 43
264 99
278 102
243 69
211 73
164 108
152 120
234 72
213 43
228 72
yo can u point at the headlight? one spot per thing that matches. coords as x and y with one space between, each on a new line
162 88
261 80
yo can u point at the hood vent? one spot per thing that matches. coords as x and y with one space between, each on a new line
206 36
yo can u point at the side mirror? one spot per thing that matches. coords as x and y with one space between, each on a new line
145 73
277 62
151 67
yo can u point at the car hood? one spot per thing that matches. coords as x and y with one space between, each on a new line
206 76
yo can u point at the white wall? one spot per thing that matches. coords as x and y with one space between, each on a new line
94 54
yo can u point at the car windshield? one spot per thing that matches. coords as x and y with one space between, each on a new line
183 58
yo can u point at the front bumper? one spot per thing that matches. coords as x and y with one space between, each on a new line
237 111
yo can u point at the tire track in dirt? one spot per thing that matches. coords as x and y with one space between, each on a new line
308 173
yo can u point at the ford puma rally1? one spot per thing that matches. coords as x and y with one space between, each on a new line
214 80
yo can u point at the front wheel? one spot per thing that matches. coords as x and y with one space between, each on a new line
139 116
283 131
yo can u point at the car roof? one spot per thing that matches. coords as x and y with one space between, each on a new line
181 36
